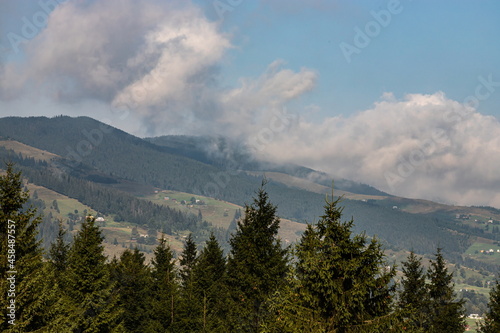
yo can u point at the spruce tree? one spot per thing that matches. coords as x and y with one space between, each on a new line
90 302
209 276
165 288
257 264
414 297
23 285
133 281
492 317
446 314
188 260
55 274
59 251
190 310
340 283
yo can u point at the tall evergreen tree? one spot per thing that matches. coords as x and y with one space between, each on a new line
257 263
59 251
209 276
165 288
492 317
133 281
414 297
341 282
190 310
90 302
22 283
55 275
446 313
188 260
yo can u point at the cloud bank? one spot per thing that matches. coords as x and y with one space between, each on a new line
150 59
156 63
422 146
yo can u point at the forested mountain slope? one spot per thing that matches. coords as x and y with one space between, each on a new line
94 153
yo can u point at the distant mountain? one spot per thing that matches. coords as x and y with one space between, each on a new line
224 153
89 147
99 154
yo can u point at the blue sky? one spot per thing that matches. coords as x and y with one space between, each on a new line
403 95
429 46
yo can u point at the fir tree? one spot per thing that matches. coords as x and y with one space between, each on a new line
188 260
133 281
414 298
20 258
190 310
90 302
165 288
257 264
24 222
209 276
340 284
446 314
59 251
492 317
56 270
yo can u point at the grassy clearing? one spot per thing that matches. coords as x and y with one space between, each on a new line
219 213
65 204
123 234
479 290
28 151
474 251
473 324
290 231
312 186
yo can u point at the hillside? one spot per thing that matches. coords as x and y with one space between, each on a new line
112 164
28 151
228 154
311 186
139 189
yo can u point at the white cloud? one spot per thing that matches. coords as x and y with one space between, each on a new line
82 51
154 60
159 61
252 105
423 146
176 55
150 57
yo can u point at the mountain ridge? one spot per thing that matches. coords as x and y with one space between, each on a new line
108 154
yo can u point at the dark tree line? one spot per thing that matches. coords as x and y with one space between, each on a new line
110 201
106 200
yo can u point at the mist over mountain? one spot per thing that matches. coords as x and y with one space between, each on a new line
161 74
93 151
229 154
